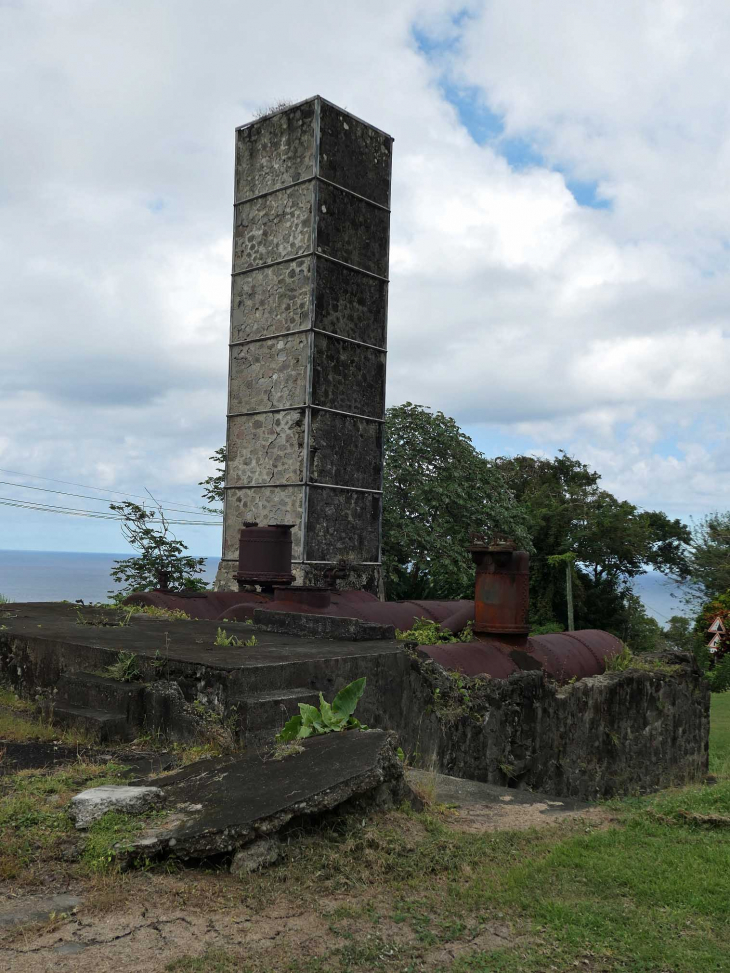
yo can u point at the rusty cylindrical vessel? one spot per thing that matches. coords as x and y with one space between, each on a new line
264 555
502 589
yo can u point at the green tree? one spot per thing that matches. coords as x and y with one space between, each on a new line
214 485
679 633
438 489
709 557
161 562
612 540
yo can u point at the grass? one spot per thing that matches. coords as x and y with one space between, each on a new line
20 722
645 890
34 823
720 734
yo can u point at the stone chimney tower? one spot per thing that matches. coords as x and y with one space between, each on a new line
306 390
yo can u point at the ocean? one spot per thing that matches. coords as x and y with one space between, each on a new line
64 575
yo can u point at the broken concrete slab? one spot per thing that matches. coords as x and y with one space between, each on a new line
257 855
218 806
94 803
477 806
35 908
39 755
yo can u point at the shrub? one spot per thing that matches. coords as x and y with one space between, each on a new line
329 718
427 632
719 677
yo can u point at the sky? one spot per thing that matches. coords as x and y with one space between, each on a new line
560 249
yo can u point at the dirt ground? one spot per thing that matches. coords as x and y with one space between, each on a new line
142 922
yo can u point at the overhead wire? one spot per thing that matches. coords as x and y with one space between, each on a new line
85 496
85 486
94 514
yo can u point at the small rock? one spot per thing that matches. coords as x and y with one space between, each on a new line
255 856
92 804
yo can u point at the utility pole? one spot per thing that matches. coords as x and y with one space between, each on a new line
569 591
568 560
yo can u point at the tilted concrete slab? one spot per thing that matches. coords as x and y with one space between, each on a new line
217 806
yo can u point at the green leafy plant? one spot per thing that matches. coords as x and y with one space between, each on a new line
4 600
161 561
115 619
627 660
125 669
719 676
223 638
329 718
174 614
425 632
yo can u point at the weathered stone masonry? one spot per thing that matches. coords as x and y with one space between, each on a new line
308 338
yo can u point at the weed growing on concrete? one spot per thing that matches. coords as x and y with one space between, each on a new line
125 669
118 618
627 660
328 718
175 614
20 721
223 638
283 750
427 632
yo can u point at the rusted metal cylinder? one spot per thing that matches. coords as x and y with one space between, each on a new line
502 588
264 555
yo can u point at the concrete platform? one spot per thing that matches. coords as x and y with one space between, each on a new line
46 651
56 624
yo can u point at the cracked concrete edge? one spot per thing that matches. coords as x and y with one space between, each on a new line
383 783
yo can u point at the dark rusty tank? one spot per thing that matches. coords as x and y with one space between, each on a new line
264 555
501 588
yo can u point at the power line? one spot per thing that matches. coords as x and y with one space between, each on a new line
80 496
85 486
96 515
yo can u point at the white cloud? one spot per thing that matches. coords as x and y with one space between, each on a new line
601 331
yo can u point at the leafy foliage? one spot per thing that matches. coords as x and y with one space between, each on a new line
152 611
709 556
214 485
427 632
438 489
612 542
223 638
161 562
679 633
626 659
329 718
719 676
125 669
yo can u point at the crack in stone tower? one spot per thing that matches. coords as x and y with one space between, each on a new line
306 389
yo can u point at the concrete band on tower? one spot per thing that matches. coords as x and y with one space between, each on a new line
309 297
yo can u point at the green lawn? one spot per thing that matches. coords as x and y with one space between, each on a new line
649 892
720 733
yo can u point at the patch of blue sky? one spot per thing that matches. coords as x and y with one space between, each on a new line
156 205
493 441
486 126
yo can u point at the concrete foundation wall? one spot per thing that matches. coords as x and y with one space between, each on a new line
615 734
618 733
